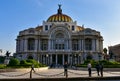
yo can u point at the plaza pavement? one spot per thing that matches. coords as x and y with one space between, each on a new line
57 73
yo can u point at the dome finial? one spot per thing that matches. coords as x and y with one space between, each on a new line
59 10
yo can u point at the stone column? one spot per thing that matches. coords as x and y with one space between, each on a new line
36 45
93 45
56 59
83 45
26 45
67 44
97 45
17 45
68 58
20 45
51 59
63 58
70 43
49 44
79 43
39 45
44 60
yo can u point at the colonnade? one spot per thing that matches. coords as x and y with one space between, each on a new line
22 45
60 59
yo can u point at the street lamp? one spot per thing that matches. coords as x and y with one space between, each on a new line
70 60
79 57
75 59
99 55
47 59
115 57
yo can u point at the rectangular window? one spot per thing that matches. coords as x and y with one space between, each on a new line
73 28
62 46
44 45
56 46
46 27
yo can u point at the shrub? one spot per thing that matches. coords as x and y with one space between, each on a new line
2 59
32 61
23 62
14 62
2 66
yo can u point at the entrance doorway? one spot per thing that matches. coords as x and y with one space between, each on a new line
53 59
66 58
59 59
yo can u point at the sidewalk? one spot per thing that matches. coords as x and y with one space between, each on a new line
56 73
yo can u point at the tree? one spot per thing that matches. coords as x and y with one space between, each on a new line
111 54
105 50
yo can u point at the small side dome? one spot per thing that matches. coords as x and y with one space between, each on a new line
59 17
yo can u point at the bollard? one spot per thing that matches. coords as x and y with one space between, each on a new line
30 74
66 74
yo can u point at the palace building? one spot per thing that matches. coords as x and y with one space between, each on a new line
114 52
59 39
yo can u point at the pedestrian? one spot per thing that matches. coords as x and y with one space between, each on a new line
101 69
32 68
97 68
65 69
89 69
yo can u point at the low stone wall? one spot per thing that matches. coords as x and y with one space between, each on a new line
23 69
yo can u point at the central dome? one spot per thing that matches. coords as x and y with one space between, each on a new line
59 17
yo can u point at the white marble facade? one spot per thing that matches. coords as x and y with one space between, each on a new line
59 39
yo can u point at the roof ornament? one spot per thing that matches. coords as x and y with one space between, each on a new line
59 10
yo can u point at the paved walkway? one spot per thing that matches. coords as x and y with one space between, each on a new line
56 73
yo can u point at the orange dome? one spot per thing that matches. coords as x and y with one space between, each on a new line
59 17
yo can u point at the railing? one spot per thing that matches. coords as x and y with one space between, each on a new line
64 74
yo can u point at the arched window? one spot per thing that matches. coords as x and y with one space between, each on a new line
31 44
60 42
88 44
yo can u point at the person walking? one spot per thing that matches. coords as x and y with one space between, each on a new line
97 68
32 68
65 69
89 69
101 69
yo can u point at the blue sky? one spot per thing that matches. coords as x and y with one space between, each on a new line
17 15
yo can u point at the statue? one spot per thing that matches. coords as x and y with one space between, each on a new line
7 53
7 59
59 10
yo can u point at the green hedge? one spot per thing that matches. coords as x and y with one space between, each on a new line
15 63
2 66
106 64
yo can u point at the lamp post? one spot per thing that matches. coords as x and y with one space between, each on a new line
47 59
70 60
79 57
75 59
99 55
115 57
